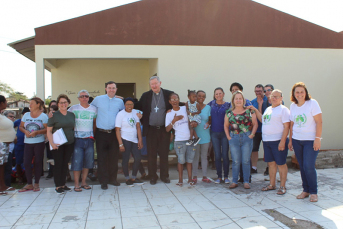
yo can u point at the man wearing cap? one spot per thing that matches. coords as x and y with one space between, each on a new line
154 104
107 146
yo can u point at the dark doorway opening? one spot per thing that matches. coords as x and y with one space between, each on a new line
126 90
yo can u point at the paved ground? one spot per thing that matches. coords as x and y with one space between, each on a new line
169 206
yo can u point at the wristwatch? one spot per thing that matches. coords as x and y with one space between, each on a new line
121 145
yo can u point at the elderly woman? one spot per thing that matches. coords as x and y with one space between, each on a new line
305 137
203 131
219 140
62 153
275 129
33 125
7 136
129 135
240 126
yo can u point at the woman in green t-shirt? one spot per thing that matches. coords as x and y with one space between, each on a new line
62 153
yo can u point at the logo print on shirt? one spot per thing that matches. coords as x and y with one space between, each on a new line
300 120
266 118
131 121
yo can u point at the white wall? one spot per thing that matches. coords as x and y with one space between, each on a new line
193 67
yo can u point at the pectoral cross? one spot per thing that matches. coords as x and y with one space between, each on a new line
156 109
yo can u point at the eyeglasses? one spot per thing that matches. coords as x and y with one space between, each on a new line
267 90
84 96
174 100
11 116
275 97
63 102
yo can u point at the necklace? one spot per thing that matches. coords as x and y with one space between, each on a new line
156 108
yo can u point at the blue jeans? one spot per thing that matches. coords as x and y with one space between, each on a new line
83 156
131 147
306 157
221 151
241 147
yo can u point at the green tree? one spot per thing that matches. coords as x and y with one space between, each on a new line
5 88
17 96
48 100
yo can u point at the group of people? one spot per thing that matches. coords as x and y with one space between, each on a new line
115 126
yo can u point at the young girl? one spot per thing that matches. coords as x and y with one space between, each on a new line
193 111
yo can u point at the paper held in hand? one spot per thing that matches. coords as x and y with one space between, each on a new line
59 138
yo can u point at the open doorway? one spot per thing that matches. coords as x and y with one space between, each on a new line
126 90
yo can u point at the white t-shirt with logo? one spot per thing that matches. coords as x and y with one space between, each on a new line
127 124
181 128
272 122
83 120
34 124
304 127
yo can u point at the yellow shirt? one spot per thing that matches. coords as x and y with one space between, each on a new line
7 132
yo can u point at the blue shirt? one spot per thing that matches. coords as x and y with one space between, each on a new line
107 111
201 132
217 115
255 104
20 135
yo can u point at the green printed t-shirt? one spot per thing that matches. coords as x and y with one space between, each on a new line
66 122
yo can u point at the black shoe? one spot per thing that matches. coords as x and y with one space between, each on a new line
252 170
145 177
196 141
59 191
49 176
115 183
129 182
67 189
250 179
266 173
138 182
153 181
104 186
166 180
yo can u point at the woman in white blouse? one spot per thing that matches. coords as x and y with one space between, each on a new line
305 137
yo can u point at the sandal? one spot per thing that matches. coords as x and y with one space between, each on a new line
269 187
78 189
191 183
206 180
179 184
25 189
10 189
233 185
313 198
3 193
303 195
36 189
87 187
281 191
194 180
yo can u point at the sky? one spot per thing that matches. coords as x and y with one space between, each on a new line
19 18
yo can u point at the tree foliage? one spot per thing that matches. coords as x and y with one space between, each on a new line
5 88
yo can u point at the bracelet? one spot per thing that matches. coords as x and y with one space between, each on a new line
121 145
253 135
319 138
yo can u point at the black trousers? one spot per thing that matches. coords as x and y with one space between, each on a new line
61 159
158 141
107 148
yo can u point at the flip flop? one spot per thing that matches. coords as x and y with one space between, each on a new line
179 184
25 189
281 191
10 189
313 198
206 180
87 187
36 189
303 196
3 193
195 180
192 183
78 189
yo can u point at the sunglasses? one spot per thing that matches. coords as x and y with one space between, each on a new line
267 90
